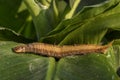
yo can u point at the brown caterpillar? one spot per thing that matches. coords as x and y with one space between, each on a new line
60 51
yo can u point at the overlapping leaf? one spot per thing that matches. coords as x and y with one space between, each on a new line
88 22
28 66
9 35
81 28
16 17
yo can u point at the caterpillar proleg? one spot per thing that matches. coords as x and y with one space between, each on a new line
60 51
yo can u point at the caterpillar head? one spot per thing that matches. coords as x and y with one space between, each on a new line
19 49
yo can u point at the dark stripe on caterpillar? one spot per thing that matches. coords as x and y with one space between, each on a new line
60 51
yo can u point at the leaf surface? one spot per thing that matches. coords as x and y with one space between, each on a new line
25 66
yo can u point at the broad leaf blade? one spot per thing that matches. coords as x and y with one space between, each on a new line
15 16
87 12
87 67
10 35
23 66
80 29
44 18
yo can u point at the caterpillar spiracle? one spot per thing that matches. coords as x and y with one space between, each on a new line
60 51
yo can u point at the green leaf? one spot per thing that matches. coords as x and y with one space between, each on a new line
44 18
15 16
48 14
87 67
11 18
88 22
25 66
35 67
10 35
96 28
73 9
86 13
82 32
116 42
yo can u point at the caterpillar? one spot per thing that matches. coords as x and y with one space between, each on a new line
60 51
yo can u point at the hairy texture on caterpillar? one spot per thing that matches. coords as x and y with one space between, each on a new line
60 51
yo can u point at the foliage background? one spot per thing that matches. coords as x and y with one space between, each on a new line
76 22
